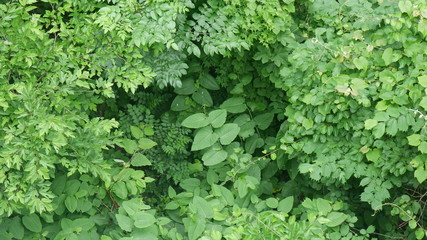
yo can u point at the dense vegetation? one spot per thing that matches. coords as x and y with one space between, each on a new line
213 119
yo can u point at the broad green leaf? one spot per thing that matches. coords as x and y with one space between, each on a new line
412 224
422 80
140 160
423 103
129 145
307 123
120 190
264 120
194 228
136 132
423 147
285 205
32 222
202 97
217 118
373 155
388 56
379 130
323 206
213 157
204 138
336 218
208 82
197 120
203 208
234 105
361 63
83 223
190 184
143 219
227 195
58 184
414 139
357 83
420 233
370 123
272 202
180 103
405 6
125 222
227 133
71 203
146 143
16 228
188 87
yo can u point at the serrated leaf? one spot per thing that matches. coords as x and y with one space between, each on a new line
197 120
146 143
213 157
370 123
32 222
205 137
217 118
234 105
227 133
140 160
373 155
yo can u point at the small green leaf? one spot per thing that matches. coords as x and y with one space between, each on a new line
388 56
405 6
179 103
423 147
419 233
32 222
204 138
140 160
203 208
373 155
264 120
125 222
370 123
423 103
285 205
423 80
197 120
217 118
213 157
129 145
414 139
136 132
272 202
227 133
146 143
143 219
336 218
361 63
420 174
71 203
188 87
234 105
120 190
412 224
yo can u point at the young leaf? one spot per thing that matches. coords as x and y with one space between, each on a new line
227 133
217 118
422 80
414 139
197 120
373 155
204 138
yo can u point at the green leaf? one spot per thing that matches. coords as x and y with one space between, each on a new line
125 222
388 56
213 157
414 139
71 203
264 120
336 218
204 138
370 123
361 63
129 145
357 83
202 97
419 233
423 103
405 6
423 147
379 130
202 207
272 202
307 123
412 224
16 228
208 82
285 205
227 133
373 155
217 118
179 103
422 80
197 120
420 174
188 87
234 105
194 228
32 222
146 143
136 132
140 160
143 219
120 190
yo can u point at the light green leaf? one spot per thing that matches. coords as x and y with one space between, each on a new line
420 174
203 208
227 133
405 6
129 145
197 120
419 233
388 56
140 160
125 222
285 205
272 202
361 63
136 132
71 203
414 139
234 105
204 138
373 155
120 190
370 123
217 118
423 103
336 218
146 143
213 157
422 80
143 219
32 222
423 147
357 83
